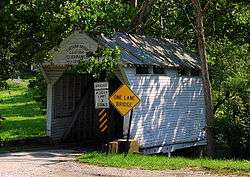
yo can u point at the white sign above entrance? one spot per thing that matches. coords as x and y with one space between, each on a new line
75 52
101 95
72 49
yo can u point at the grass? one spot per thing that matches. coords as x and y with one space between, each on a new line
23 118
164 163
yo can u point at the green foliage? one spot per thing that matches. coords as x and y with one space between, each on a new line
231 95
235 61
100 64
232 127
100 16
174 20
1 119
227 25
157 162
228 49
224 19
30 29
229 19
38 88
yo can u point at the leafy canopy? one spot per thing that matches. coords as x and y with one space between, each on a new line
29 29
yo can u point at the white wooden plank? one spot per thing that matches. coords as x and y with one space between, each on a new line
49 108
171 109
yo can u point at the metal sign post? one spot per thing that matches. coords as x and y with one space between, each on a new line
101 104
124 100
129 128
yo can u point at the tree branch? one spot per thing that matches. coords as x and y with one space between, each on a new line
221 101
206 6
141 18
196 4
134 3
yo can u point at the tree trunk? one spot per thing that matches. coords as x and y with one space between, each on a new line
205 76
134 3
142 17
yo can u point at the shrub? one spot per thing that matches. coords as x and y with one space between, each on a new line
1 119
38 88
232 128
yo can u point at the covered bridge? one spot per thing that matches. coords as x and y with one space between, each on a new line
161 72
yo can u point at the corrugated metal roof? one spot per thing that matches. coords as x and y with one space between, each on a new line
141 50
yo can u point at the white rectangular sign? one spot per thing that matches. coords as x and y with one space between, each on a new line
101 85
101 95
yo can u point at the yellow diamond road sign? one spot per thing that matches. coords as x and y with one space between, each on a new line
124 99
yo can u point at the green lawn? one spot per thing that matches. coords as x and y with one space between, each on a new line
165 163
23 116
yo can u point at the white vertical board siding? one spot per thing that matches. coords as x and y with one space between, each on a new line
171 110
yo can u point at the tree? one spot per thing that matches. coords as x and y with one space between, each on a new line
227 25
231 94
199 14
141 19
139 24
29 29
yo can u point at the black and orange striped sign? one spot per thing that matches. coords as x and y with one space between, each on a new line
103 120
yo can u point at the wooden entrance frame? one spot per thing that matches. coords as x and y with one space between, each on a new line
62 59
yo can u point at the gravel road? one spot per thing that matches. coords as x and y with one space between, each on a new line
61 163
